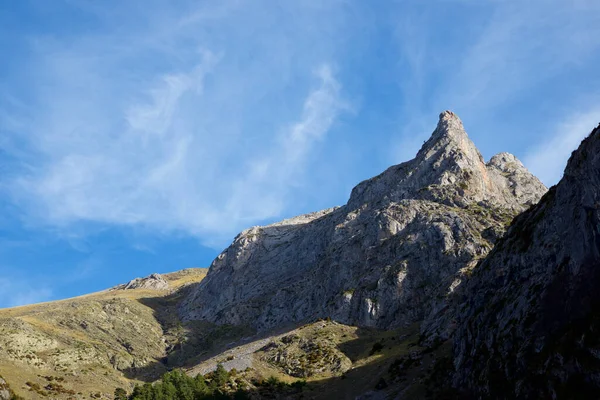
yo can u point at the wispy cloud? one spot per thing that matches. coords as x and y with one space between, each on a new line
154 175
263 190
204 118
490 65
521 45
201 142
548 160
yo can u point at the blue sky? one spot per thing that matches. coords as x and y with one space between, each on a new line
141 136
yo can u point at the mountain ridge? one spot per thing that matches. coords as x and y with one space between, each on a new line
442 277
441 162
344 262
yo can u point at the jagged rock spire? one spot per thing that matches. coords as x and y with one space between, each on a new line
450 169
450 137
449 127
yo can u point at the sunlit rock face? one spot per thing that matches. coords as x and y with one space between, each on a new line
154 281
403 242
529 319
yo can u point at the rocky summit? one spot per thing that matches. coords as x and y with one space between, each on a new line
529 320
388 258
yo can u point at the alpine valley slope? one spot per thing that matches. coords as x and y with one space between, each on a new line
387 259
529 319
89 345
403 242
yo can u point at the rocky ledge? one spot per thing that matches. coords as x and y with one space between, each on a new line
153 281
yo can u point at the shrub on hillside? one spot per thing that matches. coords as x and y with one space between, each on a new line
219 384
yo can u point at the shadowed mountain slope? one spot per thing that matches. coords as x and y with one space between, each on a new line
529 322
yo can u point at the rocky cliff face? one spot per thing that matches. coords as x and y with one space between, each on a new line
530 319
387 258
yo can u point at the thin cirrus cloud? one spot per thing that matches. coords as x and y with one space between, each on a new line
205 119
200 141
152 175
268 179
514 57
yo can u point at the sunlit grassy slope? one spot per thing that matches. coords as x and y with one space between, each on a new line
85 347
91 344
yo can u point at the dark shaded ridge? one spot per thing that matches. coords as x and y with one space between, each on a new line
531 321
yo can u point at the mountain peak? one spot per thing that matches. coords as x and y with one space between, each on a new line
365 263
450 123
154 281
450 137
586 156
450 169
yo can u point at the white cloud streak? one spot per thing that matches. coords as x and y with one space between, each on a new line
151 174
183 147
263 190
503 51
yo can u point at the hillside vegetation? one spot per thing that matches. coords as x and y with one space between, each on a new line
89 345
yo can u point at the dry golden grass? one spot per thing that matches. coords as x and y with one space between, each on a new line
82 334
90 335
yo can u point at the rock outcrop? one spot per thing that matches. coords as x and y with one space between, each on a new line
5 392
388 257
529 322
154 281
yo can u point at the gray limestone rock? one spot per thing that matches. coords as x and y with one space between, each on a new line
5 392
387 258
154 281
